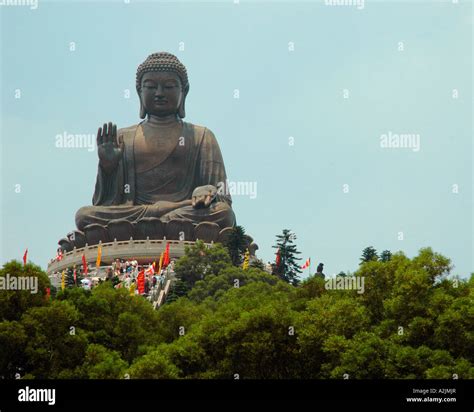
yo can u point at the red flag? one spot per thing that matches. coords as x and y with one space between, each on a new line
150 270
306 264
278 258
166 258
84 264
48 293
25 255
141 282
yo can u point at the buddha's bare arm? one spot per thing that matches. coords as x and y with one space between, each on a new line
202 198
165 206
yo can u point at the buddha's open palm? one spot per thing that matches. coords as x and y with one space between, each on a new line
109 148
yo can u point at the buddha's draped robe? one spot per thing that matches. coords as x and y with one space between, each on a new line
195 161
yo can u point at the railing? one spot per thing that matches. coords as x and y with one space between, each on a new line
143 251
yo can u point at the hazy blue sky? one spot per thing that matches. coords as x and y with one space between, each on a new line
290 62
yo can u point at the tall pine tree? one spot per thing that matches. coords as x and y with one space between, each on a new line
287 268
178 290
70 278
236 245
385 256
368 254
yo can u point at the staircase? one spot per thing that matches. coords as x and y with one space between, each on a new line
160 294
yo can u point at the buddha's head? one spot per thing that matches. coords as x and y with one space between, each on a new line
162 85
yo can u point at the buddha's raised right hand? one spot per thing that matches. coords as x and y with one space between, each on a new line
110 150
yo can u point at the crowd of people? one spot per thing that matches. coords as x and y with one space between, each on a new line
146 280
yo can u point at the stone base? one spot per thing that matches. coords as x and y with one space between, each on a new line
146 228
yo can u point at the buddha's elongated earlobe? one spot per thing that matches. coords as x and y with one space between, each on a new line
142 110
181 108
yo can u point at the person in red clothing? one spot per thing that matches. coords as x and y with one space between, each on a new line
141 283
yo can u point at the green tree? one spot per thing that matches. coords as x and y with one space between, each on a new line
257 264
368 254
55 342
312 287
215 286
200 261
14 303
434 264
176 318
248 333
335 313
129 332
364 358
236 245
411 321
154 365
70 281
378 284
454 328
114 319
385 256
260 345
102 363
288 269
13 341
179 289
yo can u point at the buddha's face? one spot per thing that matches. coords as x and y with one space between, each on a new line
161 93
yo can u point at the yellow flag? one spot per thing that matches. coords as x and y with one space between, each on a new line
99 255
63 280
161 263
246 260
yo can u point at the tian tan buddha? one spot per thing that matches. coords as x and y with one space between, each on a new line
160 177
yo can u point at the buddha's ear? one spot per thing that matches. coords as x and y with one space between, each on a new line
142 110
181 108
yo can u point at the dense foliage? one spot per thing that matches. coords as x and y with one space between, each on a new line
410 322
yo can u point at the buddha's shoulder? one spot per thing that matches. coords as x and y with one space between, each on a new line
128 129
202 132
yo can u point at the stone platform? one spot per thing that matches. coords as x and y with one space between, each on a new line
151 228
143 251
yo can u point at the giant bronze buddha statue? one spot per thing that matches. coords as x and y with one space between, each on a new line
160 177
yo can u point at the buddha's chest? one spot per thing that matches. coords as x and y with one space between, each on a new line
155 147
